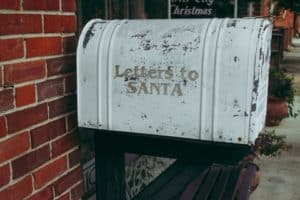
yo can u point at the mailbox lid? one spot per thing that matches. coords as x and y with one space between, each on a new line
200 79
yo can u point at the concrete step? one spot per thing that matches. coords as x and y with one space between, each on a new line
291 69
294 54
294 49
296 42
291 58
291 66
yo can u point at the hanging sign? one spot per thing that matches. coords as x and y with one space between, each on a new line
193 8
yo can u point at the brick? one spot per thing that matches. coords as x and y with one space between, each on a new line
62 65
68 180
45 194
22 72
41 5
10 4
4 175
74 158
6 100
50 172
77 192
25 95
62 106
14 146
69 5
60 24
11 48
1 76
26 118
43 46
69 44
30 161
19 190
72 121
50 88
3 127
65 143
47 132
20 24
65 197
70 83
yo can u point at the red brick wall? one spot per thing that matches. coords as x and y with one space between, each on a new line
39 141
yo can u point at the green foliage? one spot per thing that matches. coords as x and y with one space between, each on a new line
281 86
270 144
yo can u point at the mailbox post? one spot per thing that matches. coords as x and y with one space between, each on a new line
173 88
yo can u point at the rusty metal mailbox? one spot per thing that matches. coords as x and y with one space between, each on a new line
202 79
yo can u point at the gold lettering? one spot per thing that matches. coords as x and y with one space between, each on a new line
156 86
182 72
165 86
143 73
177 89
159 73
132 87
128 71
152 73
136 70
117 67
193 75
169 74
144 88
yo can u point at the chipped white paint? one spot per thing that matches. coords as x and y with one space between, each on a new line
203 79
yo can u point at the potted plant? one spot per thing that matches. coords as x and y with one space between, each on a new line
280 97
269 144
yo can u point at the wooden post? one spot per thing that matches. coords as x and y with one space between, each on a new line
110 170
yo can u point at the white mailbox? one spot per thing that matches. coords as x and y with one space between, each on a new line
202 79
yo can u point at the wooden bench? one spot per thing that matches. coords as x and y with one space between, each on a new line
187 181
203 170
